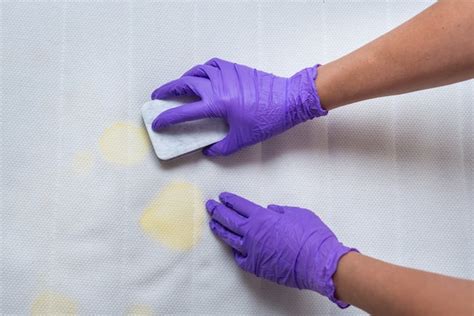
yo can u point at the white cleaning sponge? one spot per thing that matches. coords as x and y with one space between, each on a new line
182 138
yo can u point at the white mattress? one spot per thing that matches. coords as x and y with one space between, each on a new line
93 223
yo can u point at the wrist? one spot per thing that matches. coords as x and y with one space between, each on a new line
344 271
324 88
314 99
306 101
318 264
340 251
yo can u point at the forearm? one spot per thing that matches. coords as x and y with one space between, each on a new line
381 288
434 48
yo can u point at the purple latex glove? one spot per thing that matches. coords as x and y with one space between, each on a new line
287 245
256 105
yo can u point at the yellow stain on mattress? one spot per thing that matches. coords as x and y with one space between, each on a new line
141 310
82 162
175 216
50 303
124 143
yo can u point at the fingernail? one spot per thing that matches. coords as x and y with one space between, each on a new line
157 125
154 95
212 226
210 206
223 197
207 152
225 194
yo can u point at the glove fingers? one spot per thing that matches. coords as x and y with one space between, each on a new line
227 236
182 86
226 217
221 148
203 71
239 204
186 112
240 258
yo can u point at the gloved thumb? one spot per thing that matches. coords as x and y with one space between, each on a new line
221 148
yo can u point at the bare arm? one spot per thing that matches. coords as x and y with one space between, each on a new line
384 289
434 48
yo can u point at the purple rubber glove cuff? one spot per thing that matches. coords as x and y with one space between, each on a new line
330 289
319 271
309 94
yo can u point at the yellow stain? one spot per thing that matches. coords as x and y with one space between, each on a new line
124 144
141 310
50 303
175 216
82 162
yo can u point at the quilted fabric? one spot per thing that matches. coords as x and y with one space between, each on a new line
92 223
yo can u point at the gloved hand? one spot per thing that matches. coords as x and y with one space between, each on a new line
255 104
287 245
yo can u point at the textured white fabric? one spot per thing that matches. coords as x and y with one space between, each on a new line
392 176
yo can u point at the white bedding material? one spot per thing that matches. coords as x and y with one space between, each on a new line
80 184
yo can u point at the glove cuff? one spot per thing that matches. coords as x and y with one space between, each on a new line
331 267
309 94
318 264
302 98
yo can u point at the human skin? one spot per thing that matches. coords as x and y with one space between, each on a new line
381 288
432 49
